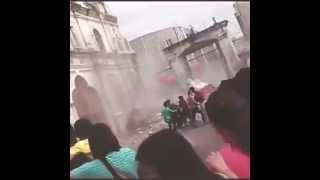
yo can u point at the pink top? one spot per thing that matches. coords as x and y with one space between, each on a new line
237 161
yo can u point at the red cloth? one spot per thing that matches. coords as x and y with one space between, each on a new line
199 97
207 90
237 161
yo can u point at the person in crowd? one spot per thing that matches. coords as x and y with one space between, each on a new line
175 116
192 104
229 111
194 101
196 94
77 158
82 129
105 147
167 114
167 155
185 111
178 116
241 83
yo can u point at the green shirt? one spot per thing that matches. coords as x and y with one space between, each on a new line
167 114
123 160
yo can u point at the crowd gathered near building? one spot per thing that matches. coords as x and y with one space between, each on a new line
95 151
195 76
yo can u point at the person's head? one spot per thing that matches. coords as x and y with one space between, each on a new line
82 128
166 103
80 82
191 90
73 138
242 83
168 155
102 141
181 98
230 115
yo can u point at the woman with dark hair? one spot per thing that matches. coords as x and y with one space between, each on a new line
168 155
230 115
185 111
79 151
82 129
105 146
229 111
241 83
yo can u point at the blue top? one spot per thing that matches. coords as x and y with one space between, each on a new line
123 160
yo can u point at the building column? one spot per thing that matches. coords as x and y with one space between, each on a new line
229 54
140 84
244 17
123 61
104 96
182 70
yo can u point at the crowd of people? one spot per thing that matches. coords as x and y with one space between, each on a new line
185 112
95 151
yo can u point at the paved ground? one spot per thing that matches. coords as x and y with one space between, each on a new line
203 138
149 126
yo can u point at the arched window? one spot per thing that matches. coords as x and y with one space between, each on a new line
99 40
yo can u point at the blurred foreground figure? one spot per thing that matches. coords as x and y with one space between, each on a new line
106 149
229 111
167 155
82 129
79 146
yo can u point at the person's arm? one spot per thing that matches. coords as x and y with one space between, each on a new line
229 174
216 164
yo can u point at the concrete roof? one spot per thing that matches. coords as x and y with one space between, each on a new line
196 46
157 31
216 26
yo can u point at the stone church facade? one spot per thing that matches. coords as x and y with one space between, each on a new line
103 74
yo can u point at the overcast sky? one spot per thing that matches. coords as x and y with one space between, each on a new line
138 18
